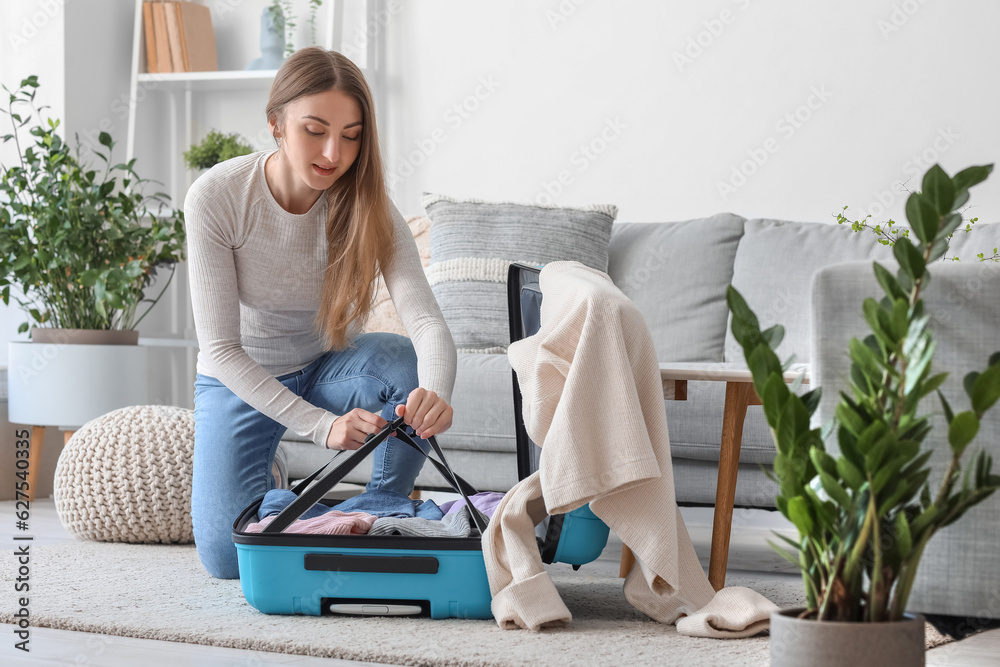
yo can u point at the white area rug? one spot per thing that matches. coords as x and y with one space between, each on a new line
162 592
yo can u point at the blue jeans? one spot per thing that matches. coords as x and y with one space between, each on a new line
234 444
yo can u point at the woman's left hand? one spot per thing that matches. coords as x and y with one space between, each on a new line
426 412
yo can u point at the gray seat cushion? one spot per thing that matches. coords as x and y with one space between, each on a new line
695 427
487 471
483 401
695 484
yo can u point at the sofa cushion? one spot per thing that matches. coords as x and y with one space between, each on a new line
774 267
695 483
487 471
695 426
676 273
473 242
483 403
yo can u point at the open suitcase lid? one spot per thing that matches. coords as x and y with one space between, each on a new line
589 534
524 303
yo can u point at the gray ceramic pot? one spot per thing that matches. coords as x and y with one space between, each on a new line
796 642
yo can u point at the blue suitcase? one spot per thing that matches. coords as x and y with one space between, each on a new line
293 573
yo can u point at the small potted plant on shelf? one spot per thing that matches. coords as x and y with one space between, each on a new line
216 147
865 515
74 242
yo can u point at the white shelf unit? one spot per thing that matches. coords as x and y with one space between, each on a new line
210 81
181 87
183 91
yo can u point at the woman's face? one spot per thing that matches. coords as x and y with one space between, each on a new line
322 137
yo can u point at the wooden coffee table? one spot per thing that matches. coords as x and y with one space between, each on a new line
739 395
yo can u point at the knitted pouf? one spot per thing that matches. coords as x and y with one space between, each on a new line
126 477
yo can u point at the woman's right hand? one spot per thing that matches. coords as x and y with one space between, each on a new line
350 430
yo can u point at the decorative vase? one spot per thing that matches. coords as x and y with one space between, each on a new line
45 335
272 41
796 642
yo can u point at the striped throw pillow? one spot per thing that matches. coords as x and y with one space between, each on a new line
473 242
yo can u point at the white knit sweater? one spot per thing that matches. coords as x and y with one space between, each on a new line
256 274
593 401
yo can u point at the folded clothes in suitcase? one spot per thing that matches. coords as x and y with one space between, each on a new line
440 577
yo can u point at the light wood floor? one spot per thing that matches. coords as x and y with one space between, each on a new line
748 552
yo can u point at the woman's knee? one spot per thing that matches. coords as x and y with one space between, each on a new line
388 349
219 563
214 544
222 487
398 362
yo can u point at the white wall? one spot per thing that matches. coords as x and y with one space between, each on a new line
898 78
31 43
496 100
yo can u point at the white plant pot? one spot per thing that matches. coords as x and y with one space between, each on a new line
68 385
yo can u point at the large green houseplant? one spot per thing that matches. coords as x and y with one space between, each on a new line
79 244
865 516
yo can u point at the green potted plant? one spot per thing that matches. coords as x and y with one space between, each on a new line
74 241
865 513
216 147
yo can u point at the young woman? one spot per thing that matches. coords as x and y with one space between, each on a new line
284 249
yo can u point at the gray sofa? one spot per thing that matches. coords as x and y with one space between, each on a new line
677 274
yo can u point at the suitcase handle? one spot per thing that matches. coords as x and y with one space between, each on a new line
307 497
369 563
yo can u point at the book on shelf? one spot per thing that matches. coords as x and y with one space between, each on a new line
197 38
174 37
179 37
147 34
160 41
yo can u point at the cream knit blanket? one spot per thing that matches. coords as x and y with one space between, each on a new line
593 401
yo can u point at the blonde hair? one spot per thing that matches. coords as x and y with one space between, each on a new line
359 224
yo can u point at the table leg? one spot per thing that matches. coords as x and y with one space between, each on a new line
737 399
34 459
